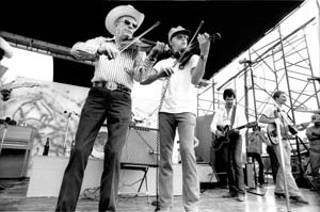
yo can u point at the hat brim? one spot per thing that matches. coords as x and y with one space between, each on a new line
185 32
8 50
120 11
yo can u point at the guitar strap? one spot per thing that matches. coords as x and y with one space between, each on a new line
233 116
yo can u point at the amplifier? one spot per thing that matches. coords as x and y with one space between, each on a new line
15 150
140 147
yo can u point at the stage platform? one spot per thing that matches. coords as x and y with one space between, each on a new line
47 174
13 198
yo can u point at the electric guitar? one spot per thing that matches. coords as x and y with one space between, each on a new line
219 140
273 134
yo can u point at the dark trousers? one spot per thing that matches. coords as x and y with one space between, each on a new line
257 157
274 162
101 104
232 160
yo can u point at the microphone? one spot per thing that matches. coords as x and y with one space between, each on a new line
215 36
314 78
245 60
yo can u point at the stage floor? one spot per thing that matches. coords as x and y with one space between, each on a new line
13 198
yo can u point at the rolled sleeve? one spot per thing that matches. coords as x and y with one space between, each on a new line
87 50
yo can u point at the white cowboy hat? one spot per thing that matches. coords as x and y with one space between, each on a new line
5 46
120 11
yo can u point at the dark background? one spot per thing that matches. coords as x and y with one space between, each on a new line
240 23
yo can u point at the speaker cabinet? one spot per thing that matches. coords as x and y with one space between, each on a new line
141 146
16 144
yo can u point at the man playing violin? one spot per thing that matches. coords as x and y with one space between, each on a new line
178 111
109 98
269 116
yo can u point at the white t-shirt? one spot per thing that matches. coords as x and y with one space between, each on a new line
221 117
284 119
181 94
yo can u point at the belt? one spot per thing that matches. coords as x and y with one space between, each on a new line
112 86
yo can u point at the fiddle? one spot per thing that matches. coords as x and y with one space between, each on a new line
141 44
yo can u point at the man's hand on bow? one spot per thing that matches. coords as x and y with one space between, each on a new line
5 92
109 51
204 44
158 49
166 72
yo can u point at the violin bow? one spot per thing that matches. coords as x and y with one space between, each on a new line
190 44
140 36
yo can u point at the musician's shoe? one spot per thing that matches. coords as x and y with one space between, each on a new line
229 195
279 195
241 197
299 199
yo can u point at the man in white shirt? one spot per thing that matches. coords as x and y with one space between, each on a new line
269 116
178 111
232 117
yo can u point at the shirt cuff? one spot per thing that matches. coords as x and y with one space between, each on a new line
148 63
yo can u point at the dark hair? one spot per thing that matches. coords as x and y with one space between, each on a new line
277 94
229 93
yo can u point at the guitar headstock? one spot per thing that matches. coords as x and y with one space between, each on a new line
252 124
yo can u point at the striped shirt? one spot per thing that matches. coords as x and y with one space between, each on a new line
129 65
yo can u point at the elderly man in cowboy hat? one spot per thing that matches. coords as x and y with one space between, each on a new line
179 111
5 51
109 98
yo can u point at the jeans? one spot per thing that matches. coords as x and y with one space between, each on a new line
232 160
185 122
273 162
292 186
99 105
257 157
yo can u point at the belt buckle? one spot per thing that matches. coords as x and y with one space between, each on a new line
111 86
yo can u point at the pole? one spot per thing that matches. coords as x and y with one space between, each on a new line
66 135
282 163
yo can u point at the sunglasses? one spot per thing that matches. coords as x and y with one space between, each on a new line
128 23
181 36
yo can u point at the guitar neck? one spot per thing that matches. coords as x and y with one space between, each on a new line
241 127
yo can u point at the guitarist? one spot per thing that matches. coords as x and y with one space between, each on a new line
232 116
5 51
269 116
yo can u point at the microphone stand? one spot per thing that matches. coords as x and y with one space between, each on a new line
66 134
282 164
5 129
